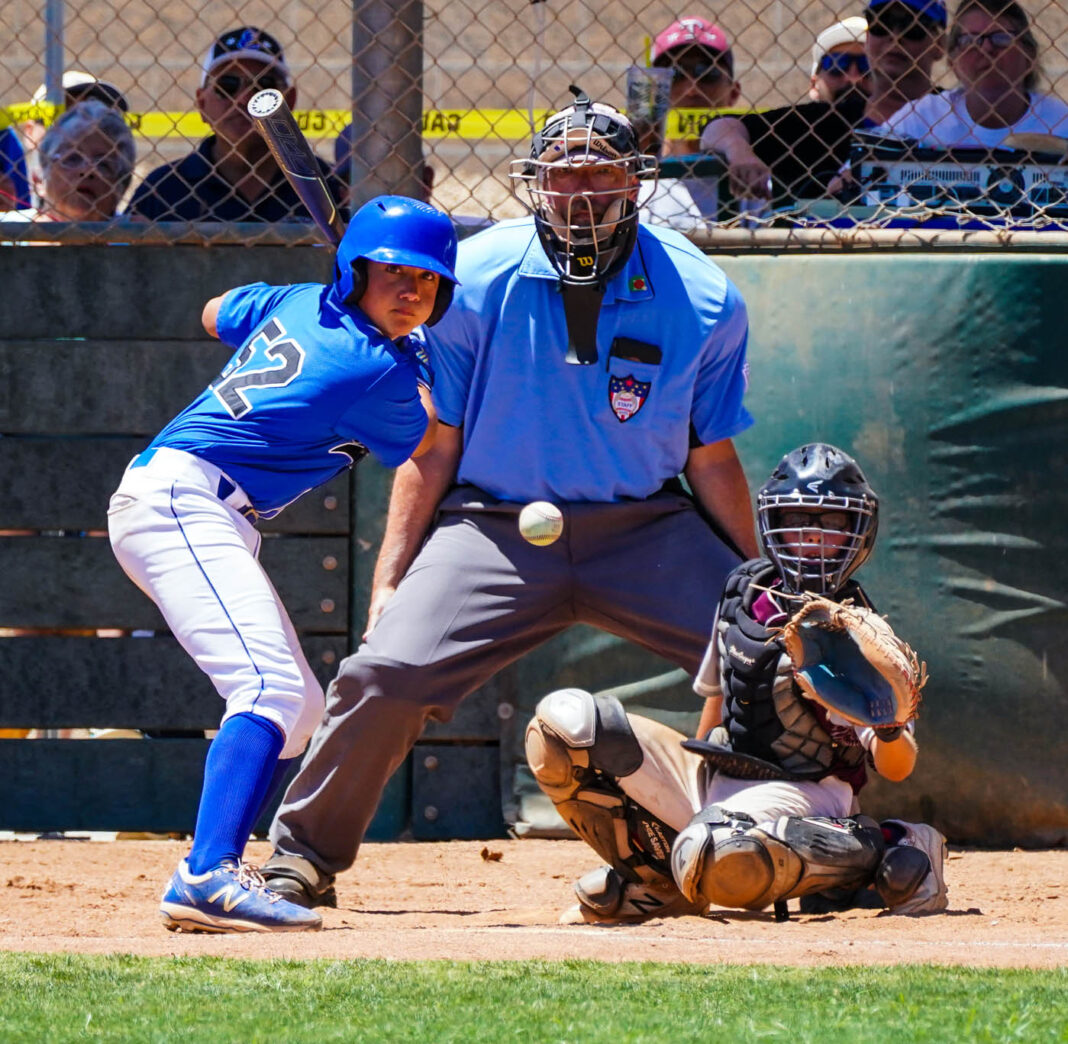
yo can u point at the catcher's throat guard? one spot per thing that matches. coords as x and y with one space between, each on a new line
587 235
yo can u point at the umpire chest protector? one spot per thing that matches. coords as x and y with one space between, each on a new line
764 712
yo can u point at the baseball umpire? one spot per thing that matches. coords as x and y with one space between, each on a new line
322 376
587 360
765 808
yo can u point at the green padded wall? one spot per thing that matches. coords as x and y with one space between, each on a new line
947 377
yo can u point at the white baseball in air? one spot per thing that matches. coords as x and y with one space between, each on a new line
541 523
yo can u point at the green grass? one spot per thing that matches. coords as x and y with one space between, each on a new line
49 997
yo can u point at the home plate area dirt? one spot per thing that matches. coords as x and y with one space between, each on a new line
501 900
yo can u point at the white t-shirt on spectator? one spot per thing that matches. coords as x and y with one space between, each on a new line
682 203
941 121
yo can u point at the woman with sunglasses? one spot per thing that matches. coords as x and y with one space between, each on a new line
994 54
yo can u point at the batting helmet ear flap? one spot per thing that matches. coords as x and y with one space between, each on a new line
359 281
442 301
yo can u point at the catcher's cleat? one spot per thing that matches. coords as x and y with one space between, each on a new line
231 897
605 898
911 840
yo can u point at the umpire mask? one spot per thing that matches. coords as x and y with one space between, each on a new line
817 518
582 184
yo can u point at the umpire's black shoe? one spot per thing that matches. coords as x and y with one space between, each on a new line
299 881
295 890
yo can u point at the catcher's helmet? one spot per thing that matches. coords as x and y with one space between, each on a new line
817 478
585 246
399 231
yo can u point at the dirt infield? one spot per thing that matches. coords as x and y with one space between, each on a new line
466 900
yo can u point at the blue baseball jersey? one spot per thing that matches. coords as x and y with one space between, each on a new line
312 388
671 345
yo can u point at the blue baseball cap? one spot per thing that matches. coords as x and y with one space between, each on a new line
934 10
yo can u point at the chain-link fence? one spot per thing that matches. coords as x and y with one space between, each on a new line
441 95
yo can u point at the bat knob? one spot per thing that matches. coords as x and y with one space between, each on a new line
265 103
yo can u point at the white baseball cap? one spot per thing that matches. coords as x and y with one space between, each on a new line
78 85
849 30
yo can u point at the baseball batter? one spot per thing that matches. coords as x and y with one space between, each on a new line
766 808
586 361
322 376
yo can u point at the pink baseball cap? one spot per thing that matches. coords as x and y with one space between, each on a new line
691 32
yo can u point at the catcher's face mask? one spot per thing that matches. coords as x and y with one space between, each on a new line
582 183
815 542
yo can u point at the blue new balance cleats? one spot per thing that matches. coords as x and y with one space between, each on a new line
231 897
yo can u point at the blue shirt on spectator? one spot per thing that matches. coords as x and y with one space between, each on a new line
13 166
190 190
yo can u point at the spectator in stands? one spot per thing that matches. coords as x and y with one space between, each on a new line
77 86
86 162
699 55
14 182
231 176
994 54
839 61
795 152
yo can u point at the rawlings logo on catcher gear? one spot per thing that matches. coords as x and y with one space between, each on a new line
627 395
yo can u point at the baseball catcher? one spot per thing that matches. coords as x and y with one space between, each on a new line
806 688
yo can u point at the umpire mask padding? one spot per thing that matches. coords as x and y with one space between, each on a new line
587 233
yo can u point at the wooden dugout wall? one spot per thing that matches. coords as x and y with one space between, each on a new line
102 345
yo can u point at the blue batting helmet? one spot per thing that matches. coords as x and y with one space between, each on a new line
396 230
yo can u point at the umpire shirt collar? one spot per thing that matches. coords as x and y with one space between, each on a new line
630 284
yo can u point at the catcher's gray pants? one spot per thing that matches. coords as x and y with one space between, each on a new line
476 598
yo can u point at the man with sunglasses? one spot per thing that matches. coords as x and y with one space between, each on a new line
839 64
231 176
795 152
699 56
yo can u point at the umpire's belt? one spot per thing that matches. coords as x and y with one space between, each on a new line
198 472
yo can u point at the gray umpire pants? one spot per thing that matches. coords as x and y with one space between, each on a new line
476 598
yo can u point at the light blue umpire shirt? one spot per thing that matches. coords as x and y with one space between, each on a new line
539 428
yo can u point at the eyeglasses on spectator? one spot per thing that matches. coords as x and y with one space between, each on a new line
700 72
840 63
1000 40
232 86
902 22
110 166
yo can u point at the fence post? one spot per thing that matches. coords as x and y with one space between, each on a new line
387 98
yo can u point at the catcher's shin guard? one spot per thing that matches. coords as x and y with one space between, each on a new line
728 860
577 745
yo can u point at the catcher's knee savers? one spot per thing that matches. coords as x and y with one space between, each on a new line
577 745
726 859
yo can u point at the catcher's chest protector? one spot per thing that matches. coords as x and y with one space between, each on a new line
764 711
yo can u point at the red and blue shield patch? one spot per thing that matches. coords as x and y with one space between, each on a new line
627 395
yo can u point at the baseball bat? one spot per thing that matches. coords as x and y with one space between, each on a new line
294 155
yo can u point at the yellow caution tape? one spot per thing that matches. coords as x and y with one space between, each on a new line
465 124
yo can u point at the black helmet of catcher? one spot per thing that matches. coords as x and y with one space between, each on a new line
588 235
817 518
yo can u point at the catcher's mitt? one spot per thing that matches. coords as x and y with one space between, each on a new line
848 659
